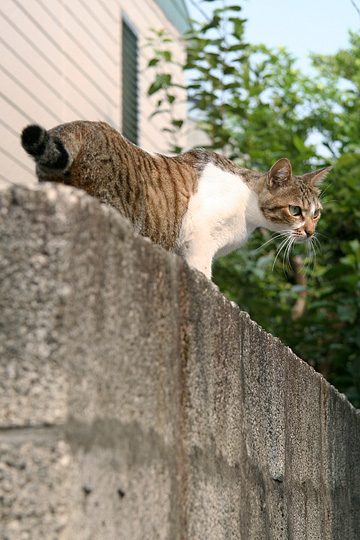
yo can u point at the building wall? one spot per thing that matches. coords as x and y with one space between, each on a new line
60 61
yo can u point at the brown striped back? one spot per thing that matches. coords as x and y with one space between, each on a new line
152 191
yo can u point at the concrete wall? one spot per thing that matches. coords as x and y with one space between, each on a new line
138 403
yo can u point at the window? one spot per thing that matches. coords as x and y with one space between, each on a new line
129 83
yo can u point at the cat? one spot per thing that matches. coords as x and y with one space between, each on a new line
198 204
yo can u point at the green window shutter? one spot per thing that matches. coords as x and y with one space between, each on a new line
130 111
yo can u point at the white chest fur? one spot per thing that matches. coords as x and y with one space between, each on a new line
220 217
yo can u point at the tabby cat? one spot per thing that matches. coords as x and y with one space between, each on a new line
198 204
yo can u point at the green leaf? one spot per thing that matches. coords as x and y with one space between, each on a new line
153 62
347 312
177 123
166 55
162 80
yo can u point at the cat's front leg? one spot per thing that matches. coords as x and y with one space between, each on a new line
203 264
198 254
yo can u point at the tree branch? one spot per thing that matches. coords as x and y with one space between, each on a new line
327 145
355 6
200 10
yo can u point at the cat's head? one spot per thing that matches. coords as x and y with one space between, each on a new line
292 203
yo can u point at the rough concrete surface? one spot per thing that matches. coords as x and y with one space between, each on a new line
137 403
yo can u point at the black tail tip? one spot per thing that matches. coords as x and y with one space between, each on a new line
33 139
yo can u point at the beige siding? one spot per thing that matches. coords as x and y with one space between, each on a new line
61 61
145 15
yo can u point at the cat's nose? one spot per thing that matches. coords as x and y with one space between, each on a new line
309 234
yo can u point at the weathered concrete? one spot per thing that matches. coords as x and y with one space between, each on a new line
137 403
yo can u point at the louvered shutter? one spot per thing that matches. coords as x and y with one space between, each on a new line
129 83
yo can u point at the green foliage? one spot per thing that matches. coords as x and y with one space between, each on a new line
256 106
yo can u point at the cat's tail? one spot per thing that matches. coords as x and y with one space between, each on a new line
48 151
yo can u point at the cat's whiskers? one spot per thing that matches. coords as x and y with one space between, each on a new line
316 243
324 190
286 257
280 234
324 235
311 251
313 254
280 248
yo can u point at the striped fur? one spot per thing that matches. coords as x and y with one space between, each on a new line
152 191
198 204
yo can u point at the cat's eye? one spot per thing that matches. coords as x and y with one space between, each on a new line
295 210
316 213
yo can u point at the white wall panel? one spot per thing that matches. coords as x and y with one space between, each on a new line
61 61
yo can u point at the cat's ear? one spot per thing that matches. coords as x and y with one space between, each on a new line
280 173
316 177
